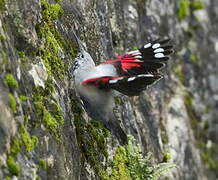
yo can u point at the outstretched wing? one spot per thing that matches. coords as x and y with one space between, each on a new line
128 85
148 59
136 69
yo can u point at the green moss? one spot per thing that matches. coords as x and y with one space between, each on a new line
47 119
196 5
167 156
23 57
54 64
48 111
50 53
21 54
11 81
50 123
2 5
164 137
15 147
23 98
23 139
54 45
12 102
194 58
91 138
129 163
30 142
2 37
41 94
56 111
188 100
135 48
7 178
13 167
49 87
183 10
118 100
185 6
51 11
208 157
43 164
38 178
3 61
119 166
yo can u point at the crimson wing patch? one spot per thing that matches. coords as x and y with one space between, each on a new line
150 58
136 70
99 81
128 85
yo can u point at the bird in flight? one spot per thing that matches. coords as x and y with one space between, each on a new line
130 74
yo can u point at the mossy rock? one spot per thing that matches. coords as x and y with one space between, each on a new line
12 102
11 81
30 142
183 9
13 167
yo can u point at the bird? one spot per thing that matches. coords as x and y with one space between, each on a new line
129 74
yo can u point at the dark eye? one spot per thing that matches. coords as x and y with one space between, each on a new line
82 56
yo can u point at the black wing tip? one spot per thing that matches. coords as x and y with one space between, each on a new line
168 52
158 50
133 85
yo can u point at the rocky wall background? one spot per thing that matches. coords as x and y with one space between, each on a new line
45 133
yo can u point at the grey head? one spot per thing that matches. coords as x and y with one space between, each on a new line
82 63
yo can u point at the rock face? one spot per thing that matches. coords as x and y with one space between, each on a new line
44 131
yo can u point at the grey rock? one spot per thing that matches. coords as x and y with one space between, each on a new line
178 114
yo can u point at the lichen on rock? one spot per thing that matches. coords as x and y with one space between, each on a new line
45 132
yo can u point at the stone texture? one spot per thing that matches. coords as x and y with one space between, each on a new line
177 114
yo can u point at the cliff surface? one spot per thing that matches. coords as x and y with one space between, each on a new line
44 131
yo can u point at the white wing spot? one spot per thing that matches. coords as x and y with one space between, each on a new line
147 45
133 52
149 75
131 79
138 57
159 55
145 75
113 81
159 50
157 45
141 75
